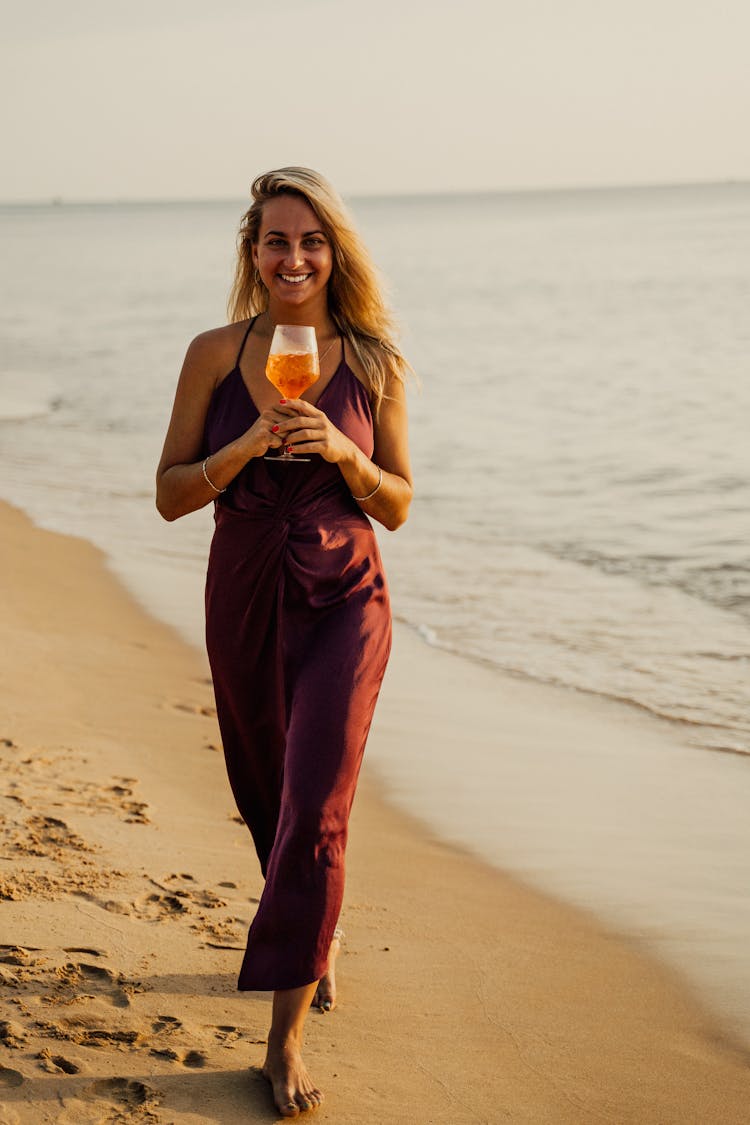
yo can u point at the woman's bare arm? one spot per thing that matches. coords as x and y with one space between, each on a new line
181 486
390 504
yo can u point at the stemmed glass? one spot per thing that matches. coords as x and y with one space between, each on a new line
292 366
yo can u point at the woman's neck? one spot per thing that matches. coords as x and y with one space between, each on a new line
315 314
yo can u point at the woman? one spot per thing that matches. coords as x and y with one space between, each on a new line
297 610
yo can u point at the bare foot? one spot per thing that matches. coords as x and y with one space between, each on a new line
293 1089
325 994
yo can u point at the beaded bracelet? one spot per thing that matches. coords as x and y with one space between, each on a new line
360 499
218 491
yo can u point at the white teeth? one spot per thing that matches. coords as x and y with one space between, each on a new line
295 278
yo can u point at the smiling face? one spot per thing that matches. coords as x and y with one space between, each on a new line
293 253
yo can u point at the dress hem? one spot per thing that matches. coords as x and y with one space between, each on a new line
243 987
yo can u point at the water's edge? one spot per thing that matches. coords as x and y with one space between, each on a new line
586 799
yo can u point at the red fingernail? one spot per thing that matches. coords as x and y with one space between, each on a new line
282 401
274 429
289 449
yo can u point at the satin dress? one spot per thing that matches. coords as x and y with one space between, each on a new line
298 632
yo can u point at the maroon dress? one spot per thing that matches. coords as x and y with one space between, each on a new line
298 631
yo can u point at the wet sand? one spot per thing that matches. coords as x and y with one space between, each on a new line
127 885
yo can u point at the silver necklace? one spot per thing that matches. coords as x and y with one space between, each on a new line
325 353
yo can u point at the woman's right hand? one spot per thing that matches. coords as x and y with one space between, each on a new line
185 482
263 435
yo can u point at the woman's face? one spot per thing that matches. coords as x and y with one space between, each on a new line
293 254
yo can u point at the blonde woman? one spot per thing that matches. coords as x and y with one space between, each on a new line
298 618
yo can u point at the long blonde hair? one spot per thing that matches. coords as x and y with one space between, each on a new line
355 300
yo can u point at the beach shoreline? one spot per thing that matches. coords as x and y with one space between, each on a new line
592 800
128 885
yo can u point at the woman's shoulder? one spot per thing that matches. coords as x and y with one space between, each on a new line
219 344
213 353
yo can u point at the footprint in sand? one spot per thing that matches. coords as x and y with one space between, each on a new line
170 1027
200 897
150 908
79 881
22 966
41 779
56 1064
207 900
46 836
19 955
118 798
167 1053
193 1060
45 993
87 1032
133 811
80 980
123 1092
63 984
166 1024
219 932
10 1077
222 933
156 907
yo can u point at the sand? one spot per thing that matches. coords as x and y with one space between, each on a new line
127 883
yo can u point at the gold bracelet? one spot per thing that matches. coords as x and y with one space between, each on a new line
361 499
218 491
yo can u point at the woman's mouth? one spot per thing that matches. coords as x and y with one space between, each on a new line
295 278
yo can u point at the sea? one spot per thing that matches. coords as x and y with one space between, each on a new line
578 427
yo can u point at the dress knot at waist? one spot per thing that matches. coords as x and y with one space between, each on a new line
336 514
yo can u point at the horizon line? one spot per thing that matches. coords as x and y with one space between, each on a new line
58 200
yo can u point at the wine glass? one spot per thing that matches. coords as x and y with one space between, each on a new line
292 366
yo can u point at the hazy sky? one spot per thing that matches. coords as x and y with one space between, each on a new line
103 99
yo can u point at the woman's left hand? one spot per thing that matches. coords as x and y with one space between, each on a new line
309 430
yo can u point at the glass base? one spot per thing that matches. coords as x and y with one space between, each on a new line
286 457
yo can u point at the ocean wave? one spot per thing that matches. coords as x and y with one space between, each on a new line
725 585
709 732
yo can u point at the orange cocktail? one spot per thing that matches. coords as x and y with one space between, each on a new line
292 372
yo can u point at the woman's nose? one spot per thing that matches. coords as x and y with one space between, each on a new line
294 255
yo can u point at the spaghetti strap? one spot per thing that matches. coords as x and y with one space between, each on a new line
244 339
343 349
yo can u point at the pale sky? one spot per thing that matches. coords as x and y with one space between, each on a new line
185 99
